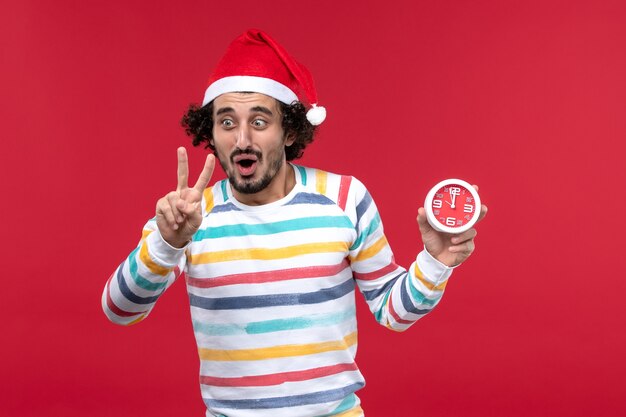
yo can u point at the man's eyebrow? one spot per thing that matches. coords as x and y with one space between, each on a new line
262 109
224 110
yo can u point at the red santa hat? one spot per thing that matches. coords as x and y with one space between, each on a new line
254 62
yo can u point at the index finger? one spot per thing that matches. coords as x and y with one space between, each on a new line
422 221
205 175
183 169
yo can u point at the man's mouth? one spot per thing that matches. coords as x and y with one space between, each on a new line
246 164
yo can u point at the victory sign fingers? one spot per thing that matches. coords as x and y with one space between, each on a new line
178 213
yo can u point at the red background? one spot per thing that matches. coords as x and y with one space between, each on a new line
525 98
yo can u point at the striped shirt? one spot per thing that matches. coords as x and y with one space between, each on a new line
272 294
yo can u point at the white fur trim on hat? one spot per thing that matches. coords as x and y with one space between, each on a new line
245 83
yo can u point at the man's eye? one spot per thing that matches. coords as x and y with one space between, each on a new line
227 123
259 123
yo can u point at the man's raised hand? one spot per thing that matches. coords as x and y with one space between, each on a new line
449 249
179 214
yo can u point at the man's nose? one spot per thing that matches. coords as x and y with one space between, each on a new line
243 140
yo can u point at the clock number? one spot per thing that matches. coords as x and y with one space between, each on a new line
450 221
437 204
468 208
455 191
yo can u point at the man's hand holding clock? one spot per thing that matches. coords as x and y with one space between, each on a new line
447 229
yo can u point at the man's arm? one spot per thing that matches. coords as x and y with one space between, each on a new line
398 297
132 291
135 286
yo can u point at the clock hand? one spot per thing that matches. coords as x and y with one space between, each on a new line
453 200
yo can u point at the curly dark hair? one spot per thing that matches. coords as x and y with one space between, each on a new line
198 123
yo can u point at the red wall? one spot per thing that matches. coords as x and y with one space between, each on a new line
525 98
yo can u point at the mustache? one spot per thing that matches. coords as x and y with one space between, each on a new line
238 152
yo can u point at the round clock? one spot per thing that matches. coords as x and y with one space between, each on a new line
452 206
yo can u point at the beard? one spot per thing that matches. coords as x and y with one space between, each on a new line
245 185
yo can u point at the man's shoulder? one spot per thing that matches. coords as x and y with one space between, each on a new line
339 188
215 195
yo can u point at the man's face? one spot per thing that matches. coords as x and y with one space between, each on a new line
249 139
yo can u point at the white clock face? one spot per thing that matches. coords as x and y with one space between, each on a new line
452 206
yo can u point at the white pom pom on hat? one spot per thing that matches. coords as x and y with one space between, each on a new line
316 115
254 62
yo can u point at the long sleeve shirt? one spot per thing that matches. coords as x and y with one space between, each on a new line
272 294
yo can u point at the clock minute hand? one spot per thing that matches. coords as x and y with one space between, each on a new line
453 200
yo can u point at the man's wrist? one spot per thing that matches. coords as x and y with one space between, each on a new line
167 253
433 267
176 244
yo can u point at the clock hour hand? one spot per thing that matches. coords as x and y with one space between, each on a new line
453 200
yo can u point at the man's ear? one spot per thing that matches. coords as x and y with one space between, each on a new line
290 138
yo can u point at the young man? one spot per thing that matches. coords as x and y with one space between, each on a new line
273 254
